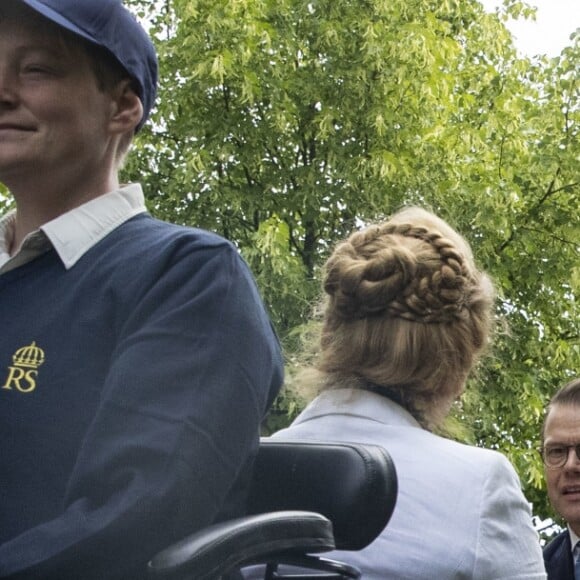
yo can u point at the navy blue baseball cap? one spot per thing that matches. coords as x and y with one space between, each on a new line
109 24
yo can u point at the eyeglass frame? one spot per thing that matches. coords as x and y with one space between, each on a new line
575 446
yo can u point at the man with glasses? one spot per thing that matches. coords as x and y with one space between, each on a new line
561 454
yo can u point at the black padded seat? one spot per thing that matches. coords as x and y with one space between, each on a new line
353 485
305 498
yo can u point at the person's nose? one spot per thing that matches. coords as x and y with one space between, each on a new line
7 88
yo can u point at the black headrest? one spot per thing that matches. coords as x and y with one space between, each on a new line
353 485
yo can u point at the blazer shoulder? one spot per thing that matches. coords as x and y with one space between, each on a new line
560 542
558 558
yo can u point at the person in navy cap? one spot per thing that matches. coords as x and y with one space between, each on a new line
136 357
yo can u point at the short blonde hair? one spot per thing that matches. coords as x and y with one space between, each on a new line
407 312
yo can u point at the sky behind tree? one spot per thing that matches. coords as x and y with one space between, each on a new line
555 21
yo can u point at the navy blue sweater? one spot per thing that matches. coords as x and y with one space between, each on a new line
132 392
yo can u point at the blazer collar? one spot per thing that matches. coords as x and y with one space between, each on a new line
357 403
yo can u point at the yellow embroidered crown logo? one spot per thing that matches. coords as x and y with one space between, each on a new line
30 356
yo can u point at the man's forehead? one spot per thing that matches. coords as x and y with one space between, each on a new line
562 419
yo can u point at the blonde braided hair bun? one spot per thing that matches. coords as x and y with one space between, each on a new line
384 270
406 310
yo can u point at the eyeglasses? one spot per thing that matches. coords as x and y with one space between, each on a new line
555 456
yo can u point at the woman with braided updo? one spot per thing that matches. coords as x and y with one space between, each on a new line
407 313
406 316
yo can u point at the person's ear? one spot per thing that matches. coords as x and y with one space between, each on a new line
127 110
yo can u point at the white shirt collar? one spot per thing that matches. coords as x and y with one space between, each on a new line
574 539
75 232
7 223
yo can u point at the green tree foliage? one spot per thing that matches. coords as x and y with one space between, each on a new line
284 124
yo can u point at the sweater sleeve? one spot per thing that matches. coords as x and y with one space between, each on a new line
194 370
507 546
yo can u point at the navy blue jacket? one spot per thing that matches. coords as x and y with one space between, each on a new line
558 558
132 387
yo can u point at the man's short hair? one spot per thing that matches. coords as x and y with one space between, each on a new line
569 394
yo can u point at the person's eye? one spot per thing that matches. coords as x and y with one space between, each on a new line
556 452
38 69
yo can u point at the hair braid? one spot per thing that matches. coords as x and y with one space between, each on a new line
407 312
375 271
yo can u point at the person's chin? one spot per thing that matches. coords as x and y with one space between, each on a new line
570 506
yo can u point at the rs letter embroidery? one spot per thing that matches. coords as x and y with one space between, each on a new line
23 373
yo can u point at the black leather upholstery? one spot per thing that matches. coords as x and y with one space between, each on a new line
305 498
353 485
222 547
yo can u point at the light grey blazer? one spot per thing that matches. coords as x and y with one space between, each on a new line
460 512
